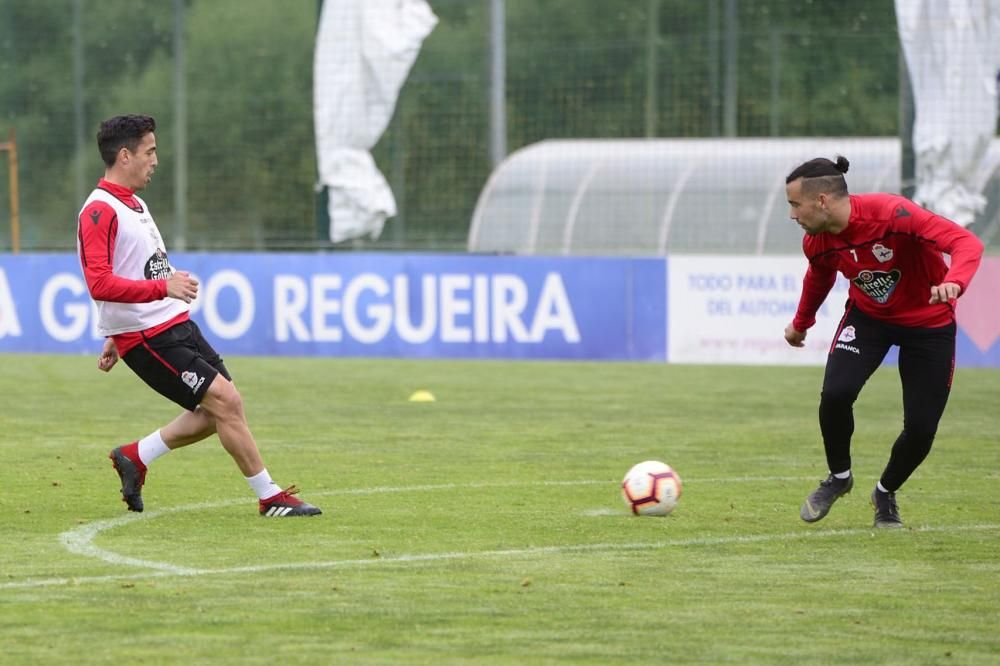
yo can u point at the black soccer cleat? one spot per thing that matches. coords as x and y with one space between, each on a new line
285 505
133 475
818 504
886 510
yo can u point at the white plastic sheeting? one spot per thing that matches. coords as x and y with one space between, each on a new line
659 196
952 50
364 51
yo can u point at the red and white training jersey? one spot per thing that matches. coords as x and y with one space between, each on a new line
125 264
891 252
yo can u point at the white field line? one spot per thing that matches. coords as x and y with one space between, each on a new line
80 539
486 554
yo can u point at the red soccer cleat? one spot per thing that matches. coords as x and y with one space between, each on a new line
132 473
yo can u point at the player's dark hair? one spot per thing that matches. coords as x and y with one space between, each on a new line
122 131
822 175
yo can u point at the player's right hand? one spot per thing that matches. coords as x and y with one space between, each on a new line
795 338
108 357
945 292
182 286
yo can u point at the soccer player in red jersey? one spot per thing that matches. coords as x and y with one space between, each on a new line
142 305
901 293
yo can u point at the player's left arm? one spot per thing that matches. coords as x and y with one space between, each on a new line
964 247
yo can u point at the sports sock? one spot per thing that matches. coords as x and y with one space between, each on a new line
842 475
263 485
880 487
152 447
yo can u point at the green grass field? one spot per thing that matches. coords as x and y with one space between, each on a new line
487 526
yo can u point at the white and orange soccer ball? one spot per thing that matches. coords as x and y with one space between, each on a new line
651 488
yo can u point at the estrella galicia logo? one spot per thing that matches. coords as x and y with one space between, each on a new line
158 266
878 285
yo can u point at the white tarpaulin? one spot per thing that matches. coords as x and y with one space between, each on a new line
952 50
364 51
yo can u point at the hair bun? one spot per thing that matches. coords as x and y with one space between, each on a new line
842 164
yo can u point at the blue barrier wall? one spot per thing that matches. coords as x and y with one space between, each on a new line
458 306
442 306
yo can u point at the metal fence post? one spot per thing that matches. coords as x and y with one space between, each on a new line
15 215
498 76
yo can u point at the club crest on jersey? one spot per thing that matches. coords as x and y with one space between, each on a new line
158 266
192 380
878 285
881 252
847 335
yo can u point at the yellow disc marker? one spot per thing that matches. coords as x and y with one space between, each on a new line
422 396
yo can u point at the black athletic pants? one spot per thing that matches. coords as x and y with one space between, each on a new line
926 367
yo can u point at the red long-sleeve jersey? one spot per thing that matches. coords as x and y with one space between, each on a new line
892 254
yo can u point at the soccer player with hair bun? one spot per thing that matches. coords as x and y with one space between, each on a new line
142 305
902 293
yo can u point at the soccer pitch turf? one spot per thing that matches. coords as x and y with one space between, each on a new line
488 527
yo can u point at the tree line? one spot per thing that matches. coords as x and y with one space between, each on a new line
575 68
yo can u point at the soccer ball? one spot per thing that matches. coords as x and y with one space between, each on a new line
651 488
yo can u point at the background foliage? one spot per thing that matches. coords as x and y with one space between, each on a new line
575 68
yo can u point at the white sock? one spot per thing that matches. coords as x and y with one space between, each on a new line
263 485
842 475
152 447
880 487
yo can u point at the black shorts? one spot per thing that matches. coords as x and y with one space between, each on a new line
179 364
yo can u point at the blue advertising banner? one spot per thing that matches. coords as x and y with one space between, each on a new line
380 305
687 309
